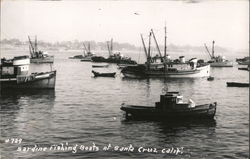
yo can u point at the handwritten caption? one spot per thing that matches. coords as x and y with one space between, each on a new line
74 148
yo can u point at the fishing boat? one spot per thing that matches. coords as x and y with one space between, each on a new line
165 67
15 75
76 57
117 58
38 56
237 84
97 74
245 68
87 54
218 61
243 61
171 107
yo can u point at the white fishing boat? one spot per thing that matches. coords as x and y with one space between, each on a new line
218 61
166 68
14 74
38 56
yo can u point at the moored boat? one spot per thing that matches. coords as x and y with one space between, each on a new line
76 57
171 107
237 84
210 78
98 74
218 61
87 54
38 56
100 65
165 67
244 68
117 58
243 61
15 75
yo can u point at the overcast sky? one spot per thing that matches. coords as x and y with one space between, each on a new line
226 22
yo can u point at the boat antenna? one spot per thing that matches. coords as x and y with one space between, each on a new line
208 51
213 49
157 46
144 47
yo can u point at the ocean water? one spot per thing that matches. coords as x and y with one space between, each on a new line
83 112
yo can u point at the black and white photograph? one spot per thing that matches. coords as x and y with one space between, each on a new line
120 79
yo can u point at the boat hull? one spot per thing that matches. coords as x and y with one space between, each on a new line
42 81
221 64
112 60
244 63
206 111
49 59
86 60
203 71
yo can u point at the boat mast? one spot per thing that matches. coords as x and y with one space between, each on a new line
108 48
30 51
111 46
208 51
165 43
144 46
213 49
35 44
165 48
149 58
89 47
32 48
157 46
85 49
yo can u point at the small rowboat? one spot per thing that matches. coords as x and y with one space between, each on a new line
97 74
100 65
210 78
237 84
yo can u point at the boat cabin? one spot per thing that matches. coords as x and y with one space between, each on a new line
173 100
17 66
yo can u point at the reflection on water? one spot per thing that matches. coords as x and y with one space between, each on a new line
84 110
